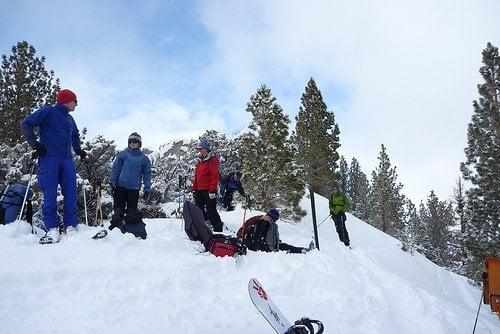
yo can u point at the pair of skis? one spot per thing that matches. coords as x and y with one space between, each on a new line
260 298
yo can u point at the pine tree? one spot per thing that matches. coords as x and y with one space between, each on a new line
316 139
386 200
343 176
482 167
437 217
412 228
359 189
459 198
268 171
25 85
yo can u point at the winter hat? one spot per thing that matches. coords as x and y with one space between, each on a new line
134 136
335 185
65 96
203 144
273 213
238 174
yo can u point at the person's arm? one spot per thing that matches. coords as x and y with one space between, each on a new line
347 204
30 122
146 174
75 138
214 174
116 169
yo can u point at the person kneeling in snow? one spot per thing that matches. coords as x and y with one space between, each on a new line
261 233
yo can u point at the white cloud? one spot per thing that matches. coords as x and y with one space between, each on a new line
411 69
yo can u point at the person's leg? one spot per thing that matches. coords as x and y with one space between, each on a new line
345 235
213 215
119 202
132 198
48 168
338 226
291 249
67 180
199 200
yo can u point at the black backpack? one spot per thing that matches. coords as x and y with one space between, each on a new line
262 236
135 225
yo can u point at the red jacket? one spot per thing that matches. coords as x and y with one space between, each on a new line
206 174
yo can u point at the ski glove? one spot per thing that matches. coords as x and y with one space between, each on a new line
212 195
145 196
40 150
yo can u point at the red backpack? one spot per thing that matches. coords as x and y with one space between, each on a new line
223 245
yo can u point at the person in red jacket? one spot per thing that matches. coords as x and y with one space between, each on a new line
206 183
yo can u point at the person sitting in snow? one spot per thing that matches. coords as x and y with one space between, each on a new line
58 134
130 167
260 233
228 185
339 204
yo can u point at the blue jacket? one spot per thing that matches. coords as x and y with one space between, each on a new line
58 131
130 168
228 183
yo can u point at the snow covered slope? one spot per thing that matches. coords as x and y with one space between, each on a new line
165 284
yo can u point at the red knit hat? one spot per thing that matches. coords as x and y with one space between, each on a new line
65 96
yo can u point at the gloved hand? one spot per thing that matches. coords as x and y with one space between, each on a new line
145 196
212 195
40 151
82 154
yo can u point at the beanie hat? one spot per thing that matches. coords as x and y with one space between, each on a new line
273 213
65 96
134 136
203 144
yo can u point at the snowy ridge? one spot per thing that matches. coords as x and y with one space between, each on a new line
165 284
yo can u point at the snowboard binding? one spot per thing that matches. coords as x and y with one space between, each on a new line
305 326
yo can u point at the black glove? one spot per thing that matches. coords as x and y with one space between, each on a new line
145 196
40 151
82 154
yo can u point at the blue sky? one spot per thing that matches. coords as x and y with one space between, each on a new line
401 73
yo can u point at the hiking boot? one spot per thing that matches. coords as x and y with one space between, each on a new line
52 236
311 246
71 230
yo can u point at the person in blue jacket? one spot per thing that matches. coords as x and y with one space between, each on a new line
228 185
58 135
130 168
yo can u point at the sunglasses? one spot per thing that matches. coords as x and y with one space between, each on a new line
133 141
76 102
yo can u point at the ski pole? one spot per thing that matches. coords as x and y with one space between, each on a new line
25 196
324 220
85 203
477 315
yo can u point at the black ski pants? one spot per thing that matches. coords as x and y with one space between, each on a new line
209 208
227 198
339 220
289 248
124 201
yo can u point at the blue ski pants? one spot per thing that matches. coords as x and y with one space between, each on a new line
54 171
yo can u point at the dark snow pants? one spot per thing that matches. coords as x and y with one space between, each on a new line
124 201
289 248
209 208
51 172
227 198
339 220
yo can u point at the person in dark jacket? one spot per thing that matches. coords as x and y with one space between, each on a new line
228 185
58 135
260 233
205 184
339 204
131 168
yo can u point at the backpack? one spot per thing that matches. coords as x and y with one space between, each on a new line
11 202
197 230
135 225
262 235
223 245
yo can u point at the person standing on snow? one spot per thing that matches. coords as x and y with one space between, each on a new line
228 185
205 184
260 233
339 204
130 168
58 134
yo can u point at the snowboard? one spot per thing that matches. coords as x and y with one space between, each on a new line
260 298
